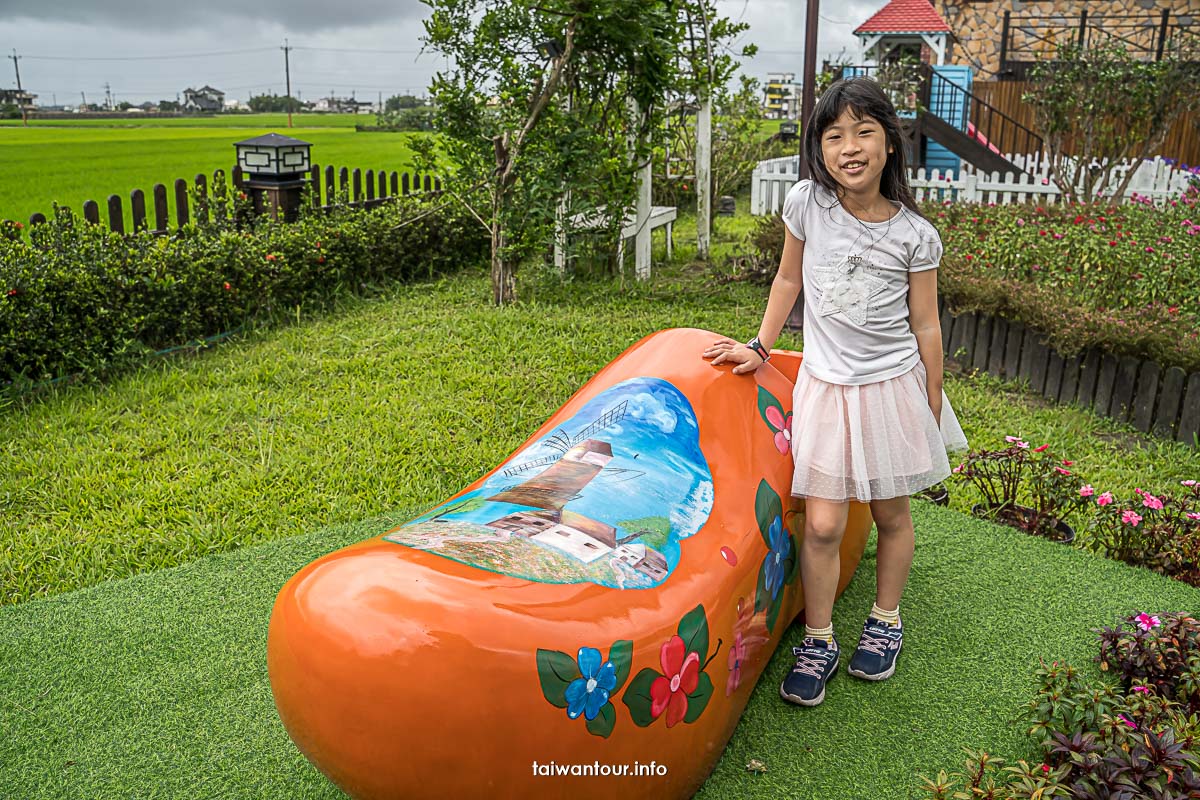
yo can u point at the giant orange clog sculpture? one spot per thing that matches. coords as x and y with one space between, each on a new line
587 620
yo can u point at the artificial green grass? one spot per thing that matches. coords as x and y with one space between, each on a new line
156 686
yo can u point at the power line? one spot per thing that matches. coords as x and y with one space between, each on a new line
150 58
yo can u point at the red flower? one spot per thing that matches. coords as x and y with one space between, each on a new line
318 245
970 257
241 195
270 256
1040 449
1078 218
1173 309
1137 276
228 288
1041 233
1068 463
1113 244
320 259
12 292
19 225
669 694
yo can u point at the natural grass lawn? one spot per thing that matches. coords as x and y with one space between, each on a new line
156 687
40 166
308 120
393 402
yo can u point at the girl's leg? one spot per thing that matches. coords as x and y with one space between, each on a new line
893 521
820 557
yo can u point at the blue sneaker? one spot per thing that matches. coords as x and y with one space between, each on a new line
875 657
816 663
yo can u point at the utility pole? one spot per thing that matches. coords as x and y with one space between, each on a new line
15 58
108 96
795 320
287 74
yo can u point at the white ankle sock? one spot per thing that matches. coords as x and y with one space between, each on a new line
825 633
890 617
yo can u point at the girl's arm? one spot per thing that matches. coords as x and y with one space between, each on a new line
784 291
923 317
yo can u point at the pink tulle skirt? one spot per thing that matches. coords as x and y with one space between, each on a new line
869 442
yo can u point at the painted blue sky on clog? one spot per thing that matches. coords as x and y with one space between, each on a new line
607 492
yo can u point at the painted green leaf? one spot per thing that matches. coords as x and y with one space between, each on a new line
637 697
602 725
698 700
762 596
621 656
766 508
693 629
765 401
556 671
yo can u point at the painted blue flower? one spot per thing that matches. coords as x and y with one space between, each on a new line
589 694
781 548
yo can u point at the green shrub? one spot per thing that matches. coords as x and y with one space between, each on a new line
77 298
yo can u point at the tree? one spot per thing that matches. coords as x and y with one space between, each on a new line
399 102
272 103
1097 107
519 65
168 105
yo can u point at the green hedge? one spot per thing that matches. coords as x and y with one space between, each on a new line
77 298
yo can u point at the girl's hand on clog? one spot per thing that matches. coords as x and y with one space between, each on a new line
727 351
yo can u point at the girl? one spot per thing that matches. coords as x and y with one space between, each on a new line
870 420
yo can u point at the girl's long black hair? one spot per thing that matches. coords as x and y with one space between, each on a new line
864 98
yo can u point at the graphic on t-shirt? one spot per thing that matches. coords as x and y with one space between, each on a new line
848 287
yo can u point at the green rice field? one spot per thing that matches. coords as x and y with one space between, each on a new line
70 162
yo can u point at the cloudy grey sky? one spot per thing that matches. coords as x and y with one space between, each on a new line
153 49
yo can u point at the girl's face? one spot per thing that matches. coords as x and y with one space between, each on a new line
855 151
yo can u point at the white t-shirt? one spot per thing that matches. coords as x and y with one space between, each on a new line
856 326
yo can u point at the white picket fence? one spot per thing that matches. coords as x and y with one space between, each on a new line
1154 179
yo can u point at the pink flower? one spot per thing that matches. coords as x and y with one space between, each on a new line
1192 515
1017 441
1127 721
1058 236
1040 449
1130 517
1020 221
737 655
1086 490
1187 483
1045 768
1149 249
1142 689
783 429
1147 621
1150 501
1062 471
1104 499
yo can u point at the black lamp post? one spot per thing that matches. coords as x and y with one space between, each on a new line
274 167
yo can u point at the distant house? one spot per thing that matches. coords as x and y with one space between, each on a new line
341 105
204 99
21 99
781 96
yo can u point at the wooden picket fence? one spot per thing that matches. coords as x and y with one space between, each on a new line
328 188
1155 179
1127 389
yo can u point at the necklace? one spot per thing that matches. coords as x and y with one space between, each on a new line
853 259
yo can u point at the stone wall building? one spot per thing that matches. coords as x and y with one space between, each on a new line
978 26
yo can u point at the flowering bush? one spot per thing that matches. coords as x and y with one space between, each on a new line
1130 274
1158 531
1027 487
1137 740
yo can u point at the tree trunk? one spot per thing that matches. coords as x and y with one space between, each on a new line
503 272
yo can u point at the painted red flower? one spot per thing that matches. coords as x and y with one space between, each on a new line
783 428
737 656
669 694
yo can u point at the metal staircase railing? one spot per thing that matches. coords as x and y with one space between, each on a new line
980 120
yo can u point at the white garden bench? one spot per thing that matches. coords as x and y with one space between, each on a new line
660 216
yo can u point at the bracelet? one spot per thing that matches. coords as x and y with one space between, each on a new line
755 345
